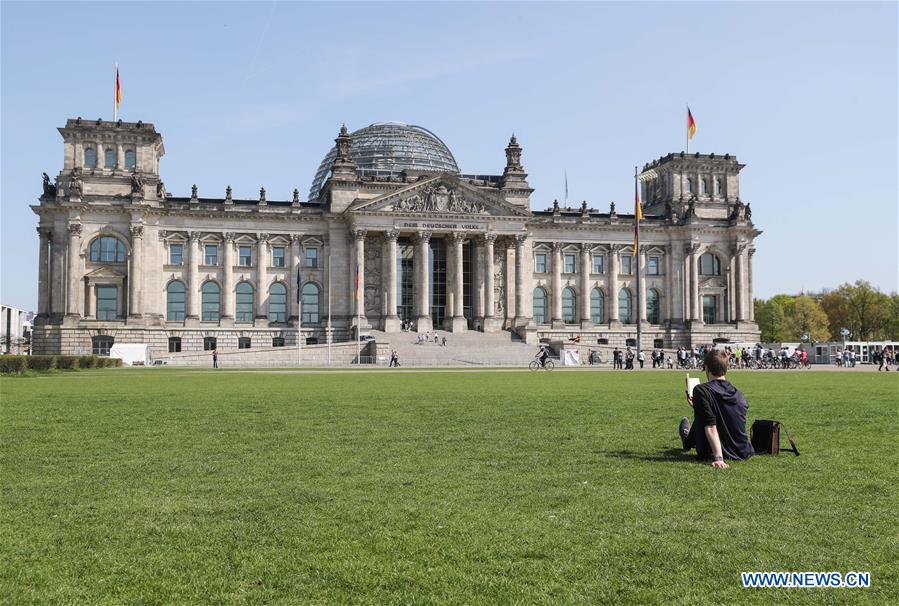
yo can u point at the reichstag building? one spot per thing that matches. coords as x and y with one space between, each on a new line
392 234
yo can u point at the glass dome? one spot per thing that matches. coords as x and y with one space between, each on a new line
388 148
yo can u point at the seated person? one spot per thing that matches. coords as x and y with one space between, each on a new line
719 417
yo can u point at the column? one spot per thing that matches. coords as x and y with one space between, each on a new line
693 272
193 277
669 288
489 285
557 286
295 310
641 259
136 272
749 298
458 323
613 284
586 267
120 157
391 319
72 276
228 296
740 282
43 286
358 285
422 250
262 276
521 313
477 282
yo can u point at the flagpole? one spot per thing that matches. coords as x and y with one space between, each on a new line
115 95
637 259
328 328
299 319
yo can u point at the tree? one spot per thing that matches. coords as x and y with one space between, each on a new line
770 318
806 318
864 310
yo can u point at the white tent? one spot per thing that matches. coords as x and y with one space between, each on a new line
132 354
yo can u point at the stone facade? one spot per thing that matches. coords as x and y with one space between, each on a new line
122 260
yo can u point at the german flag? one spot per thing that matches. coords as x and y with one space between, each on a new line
118 89
691 124
638 215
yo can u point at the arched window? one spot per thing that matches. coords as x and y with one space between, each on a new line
709 265
175 298
625 309
107 249
704 186
90 157
652 306
569 305
212 302
597 303
311 303
689 185
717 186
109 158
277 303
130 159
539 305
244 311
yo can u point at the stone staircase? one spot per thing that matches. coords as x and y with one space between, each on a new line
341 354
471 349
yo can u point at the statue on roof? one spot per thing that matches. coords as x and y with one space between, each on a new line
49 188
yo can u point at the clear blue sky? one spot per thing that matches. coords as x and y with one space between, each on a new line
252 95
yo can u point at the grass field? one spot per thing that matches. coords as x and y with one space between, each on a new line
180 487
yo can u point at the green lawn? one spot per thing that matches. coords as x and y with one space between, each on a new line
176 487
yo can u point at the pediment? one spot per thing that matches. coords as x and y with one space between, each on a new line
104 273
440 195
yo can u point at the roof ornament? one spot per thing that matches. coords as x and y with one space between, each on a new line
262 195
344 145
513 154
193 191
296 196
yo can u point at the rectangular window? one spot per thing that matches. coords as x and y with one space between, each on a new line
176 254
107 302
540 263
311 257
174 344
652 266
277 341
708 308
278 256
212 254
569 264
597 264
243 343
627 265
209 343
244 256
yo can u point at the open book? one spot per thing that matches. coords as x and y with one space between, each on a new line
691 385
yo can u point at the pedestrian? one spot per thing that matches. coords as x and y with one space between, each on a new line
215 358
435 337
443 344
641 357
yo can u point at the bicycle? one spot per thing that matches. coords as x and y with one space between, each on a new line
535 365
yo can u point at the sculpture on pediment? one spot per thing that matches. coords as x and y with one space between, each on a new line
160 191
747 212
440 200
137 184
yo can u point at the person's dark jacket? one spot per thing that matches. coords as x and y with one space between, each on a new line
721 404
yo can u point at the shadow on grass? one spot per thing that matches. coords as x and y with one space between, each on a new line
667 455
